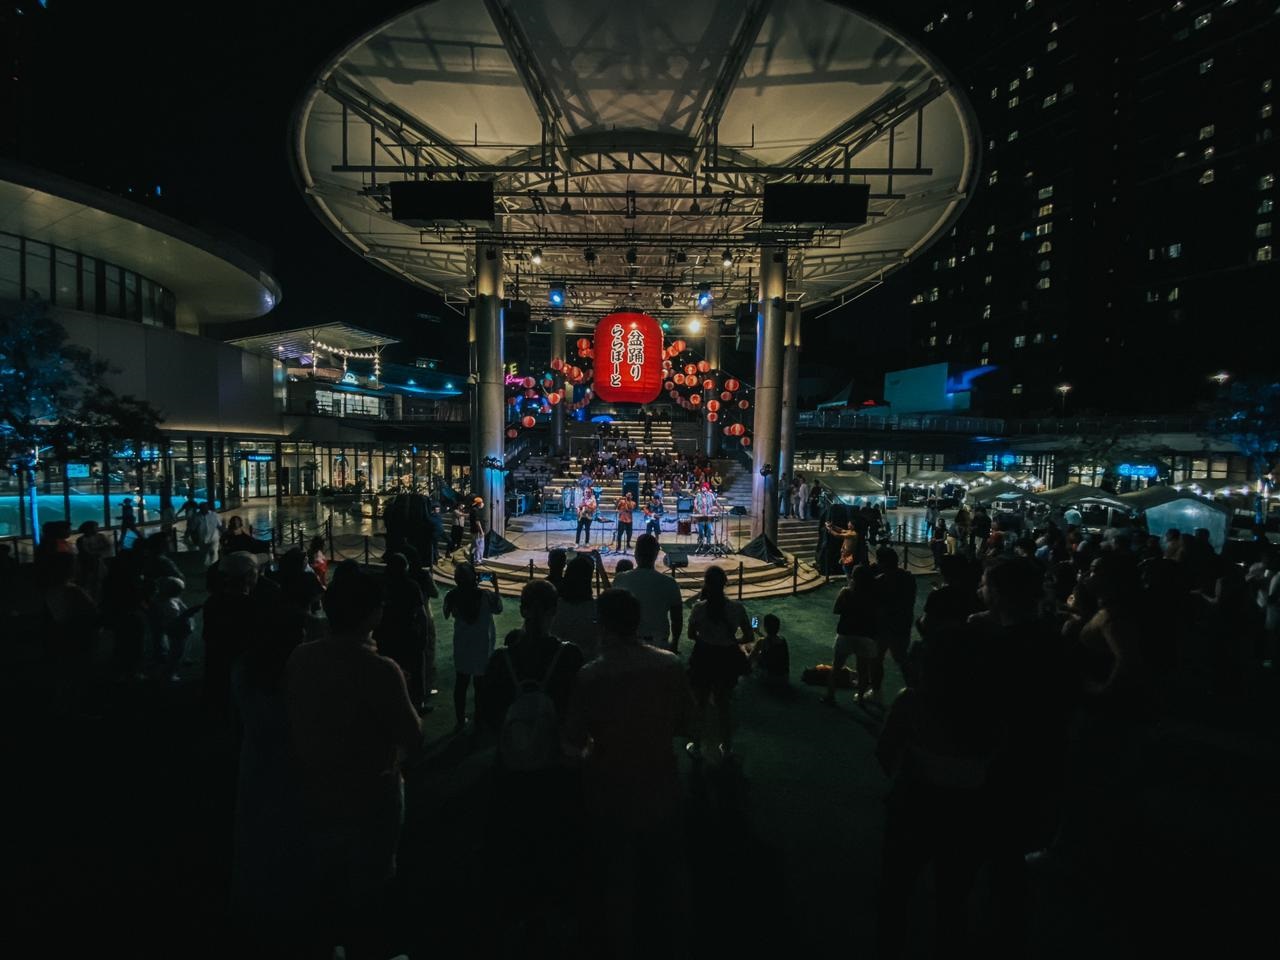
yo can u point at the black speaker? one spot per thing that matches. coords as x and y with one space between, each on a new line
676 557
744 326
516 311
421 203
824 204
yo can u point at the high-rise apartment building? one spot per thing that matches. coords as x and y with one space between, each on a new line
1118 250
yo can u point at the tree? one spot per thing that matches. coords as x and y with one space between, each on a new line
1248 416
54 399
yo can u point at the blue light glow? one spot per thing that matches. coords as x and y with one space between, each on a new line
1138 470
704 299
964 382
556 296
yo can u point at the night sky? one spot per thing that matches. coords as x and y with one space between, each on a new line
198 98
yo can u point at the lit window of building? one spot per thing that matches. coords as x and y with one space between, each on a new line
1263 254
933 295
1262 230
986 281
1044 266
1051 46
991 246
1208 153
1266 181
918 298
1207 176
1038 338
1049 101
1068 89
986 315
1173 251
983 361
1044 193
1053 26
933 341
1044 228
1046 210
1265 112
991 230
993 178
1266 85
1173 295
1266 205
1046 246
1178 6
1042 283
1019 342
1013 102
951 262
995 92
1017 389
1014 84
1153 296
1031 72
1204 20
1206 66
1206 131
1013 135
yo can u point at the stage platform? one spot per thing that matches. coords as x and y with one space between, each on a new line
534 536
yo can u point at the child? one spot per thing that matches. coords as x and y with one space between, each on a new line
171 623
318 561
770 655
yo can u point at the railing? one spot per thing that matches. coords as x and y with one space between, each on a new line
1094 425
854 420
443 411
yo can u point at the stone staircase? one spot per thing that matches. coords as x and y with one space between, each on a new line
798 537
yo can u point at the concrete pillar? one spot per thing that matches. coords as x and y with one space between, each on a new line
490 385
770 334
790 386
711 351
559 330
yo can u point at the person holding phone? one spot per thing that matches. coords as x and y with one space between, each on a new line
472 610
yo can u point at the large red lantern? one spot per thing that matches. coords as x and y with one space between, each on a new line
628 349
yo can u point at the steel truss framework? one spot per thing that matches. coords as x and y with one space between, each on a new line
654 208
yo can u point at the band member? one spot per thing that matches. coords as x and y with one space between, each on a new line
704 505
586 513
625 507
653 516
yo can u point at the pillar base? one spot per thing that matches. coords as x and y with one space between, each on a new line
762 548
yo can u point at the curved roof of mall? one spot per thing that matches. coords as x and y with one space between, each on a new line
637 130
212 279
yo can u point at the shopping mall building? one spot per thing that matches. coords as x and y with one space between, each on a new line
271 416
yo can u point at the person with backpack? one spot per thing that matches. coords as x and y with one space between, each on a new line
536 818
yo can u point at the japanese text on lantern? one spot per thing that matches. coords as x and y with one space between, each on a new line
616 352
635 353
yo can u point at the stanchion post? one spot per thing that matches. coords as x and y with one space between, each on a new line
740 566
531 568
366 549
329 530
795 575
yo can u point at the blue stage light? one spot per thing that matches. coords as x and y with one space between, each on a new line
704 296
555 296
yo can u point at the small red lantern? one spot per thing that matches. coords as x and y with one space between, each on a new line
713 405
713 416
584 344
728 431
746 441
669 386
529 382
731 384
511 401
690 369
554 398
680 346
556 363
726 396
703 366
512 433
695 398
742 404
709 385
528 422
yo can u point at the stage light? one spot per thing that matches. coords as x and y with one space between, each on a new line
631 255
565 207
665 326
681 256
536 256
695 325
704 296
668 296
726 258
556 295
589 255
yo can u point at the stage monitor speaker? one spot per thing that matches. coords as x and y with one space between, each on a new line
676 557
421 203
516 311
821 204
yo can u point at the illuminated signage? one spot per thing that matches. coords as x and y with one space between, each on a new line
1145 470
77 471
258 457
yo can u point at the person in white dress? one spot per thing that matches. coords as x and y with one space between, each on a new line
472 610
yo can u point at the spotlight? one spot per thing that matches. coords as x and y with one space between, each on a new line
695 325
681 256
565 207
704 296
667 298
536 256
693 207
631 255
555 295
589 255
726 258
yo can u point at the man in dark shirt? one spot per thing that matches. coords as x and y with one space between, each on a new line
896 595
350 725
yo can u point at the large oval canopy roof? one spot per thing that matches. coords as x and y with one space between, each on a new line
629 143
